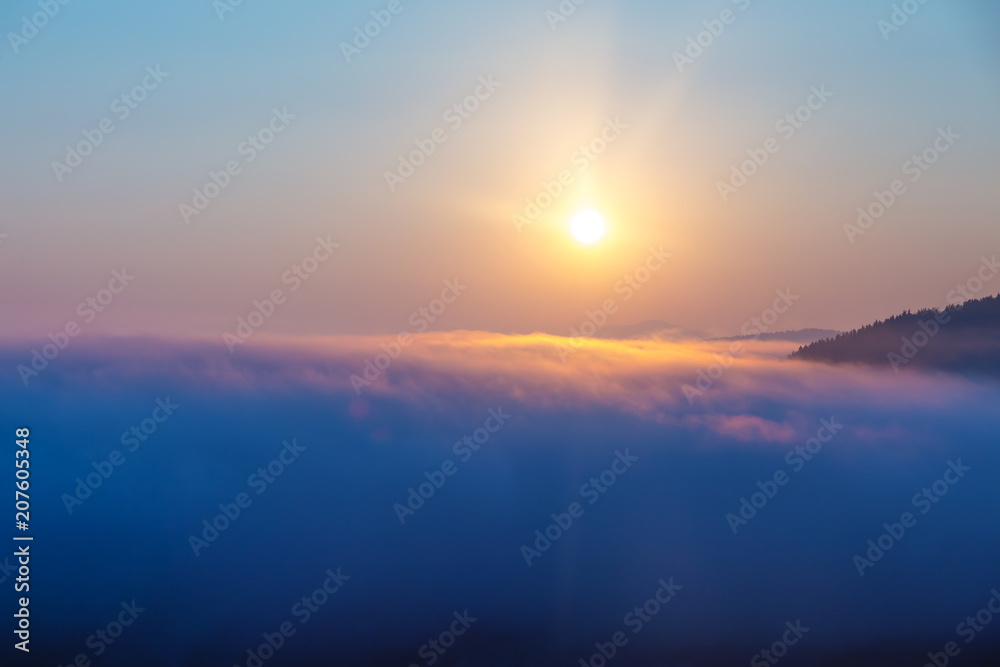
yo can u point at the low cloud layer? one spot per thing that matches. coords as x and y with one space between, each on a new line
825 457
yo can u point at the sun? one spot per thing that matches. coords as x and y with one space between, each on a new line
588 227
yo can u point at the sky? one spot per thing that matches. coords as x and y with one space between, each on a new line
347 116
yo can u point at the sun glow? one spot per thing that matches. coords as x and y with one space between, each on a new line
588 227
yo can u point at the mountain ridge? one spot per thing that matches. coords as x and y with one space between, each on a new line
961 338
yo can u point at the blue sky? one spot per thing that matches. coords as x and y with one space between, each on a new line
658 185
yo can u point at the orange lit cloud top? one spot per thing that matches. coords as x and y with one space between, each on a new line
760 395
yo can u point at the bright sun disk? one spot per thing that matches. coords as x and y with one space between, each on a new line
588 227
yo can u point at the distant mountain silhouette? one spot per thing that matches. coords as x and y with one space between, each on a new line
650 330
804 336
961 338
659 330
